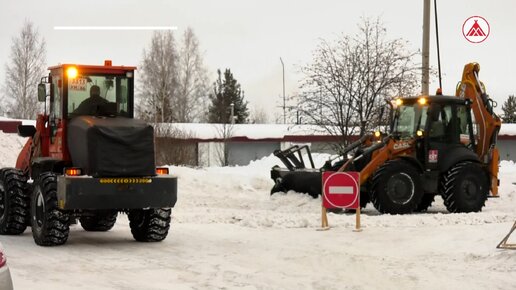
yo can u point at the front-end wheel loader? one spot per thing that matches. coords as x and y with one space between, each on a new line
87 159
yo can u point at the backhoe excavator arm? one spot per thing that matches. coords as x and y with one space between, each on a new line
488 122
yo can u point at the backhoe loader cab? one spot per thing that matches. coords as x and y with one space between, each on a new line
440 126
89 159
438 145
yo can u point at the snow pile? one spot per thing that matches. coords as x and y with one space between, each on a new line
11 147
228 194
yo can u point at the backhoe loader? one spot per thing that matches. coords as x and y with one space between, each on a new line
437 145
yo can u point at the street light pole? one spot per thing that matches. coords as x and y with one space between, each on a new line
232 115
284 107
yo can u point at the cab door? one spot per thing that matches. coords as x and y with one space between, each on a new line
55 119
442 133
448 136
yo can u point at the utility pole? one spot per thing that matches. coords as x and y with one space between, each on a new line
284 108
425 81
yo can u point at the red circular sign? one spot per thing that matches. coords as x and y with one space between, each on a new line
476 29
341 189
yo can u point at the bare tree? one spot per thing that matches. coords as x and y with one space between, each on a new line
346 84
173 146
259 115
387 70
24 72
159 79
192 99
225 131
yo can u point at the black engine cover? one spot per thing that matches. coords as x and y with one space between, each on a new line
111 146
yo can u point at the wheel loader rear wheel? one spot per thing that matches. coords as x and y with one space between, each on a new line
465 187
396 188
50 225
14 202
149 225
101 221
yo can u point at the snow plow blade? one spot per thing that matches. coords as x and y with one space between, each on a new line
304 181
297 177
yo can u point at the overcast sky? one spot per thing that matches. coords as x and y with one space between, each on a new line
249 37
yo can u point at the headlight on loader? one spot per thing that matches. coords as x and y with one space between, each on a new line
72 72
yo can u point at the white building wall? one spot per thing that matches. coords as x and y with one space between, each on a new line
210 153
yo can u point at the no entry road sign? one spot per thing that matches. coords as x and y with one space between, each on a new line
341 189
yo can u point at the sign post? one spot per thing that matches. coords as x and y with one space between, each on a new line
340 190
357 220
324 220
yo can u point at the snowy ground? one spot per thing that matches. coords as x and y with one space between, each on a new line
229 233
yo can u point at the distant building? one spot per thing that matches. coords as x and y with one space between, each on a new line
203 144
247 142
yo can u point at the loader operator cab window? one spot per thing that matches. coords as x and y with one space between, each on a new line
448 123
409 119
99 95
55 100
463 116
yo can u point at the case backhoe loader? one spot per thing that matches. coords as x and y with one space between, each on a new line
438 145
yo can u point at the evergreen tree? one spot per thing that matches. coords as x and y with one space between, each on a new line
509 110
227 91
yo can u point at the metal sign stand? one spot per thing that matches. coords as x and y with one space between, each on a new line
503 244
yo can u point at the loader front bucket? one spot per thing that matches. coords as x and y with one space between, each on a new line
304 181
297 177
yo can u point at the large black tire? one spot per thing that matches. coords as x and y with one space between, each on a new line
396 188
50 225
365 196
149 225
14 202
426 202
101 221
465 187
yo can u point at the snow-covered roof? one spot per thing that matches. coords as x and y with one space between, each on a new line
206 131
24 122
508 130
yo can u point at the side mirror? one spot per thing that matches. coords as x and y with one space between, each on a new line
26 130
42 92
